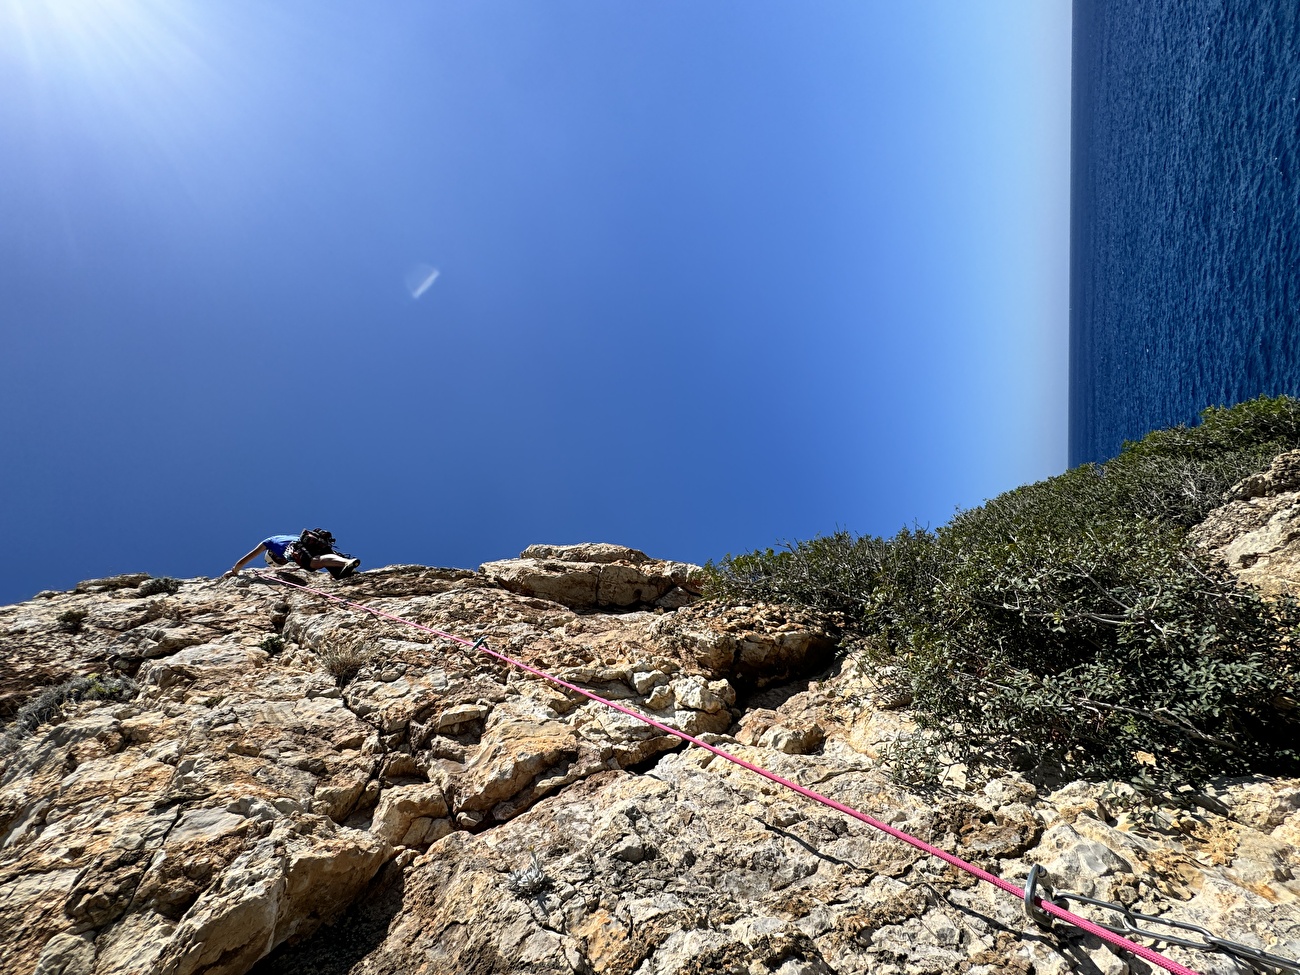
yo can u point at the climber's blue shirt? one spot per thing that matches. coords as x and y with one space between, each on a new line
276 543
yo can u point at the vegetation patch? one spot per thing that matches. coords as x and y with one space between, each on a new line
529 881
158 587
346 656
272 644
1066 628
49 704
70 620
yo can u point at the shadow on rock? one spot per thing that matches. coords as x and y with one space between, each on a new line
336 948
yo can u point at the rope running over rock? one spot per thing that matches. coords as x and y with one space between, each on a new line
1047 906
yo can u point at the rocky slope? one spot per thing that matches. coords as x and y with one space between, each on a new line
295 787
1257 533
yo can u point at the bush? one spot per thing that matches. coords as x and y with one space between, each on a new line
1108 653
861 586
1177 476
346 656
157 587
70 620
272 644
1065 626
50 703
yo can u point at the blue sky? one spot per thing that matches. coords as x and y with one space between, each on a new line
711 275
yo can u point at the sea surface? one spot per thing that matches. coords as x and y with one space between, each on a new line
1185 213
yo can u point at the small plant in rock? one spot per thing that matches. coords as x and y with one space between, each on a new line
158 587
531 880
913 760
273 644
70 620
345 656
50 703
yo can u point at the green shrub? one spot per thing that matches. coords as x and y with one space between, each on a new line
860 585
50 703
1065 627
1076 654
1177 476
272 644
70 620
156 587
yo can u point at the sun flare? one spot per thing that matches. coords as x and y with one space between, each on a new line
98 36
125 81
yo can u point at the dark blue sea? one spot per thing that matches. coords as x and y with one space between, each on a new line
1185 213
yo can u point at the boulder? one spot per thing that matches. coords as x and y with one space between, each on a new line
586 577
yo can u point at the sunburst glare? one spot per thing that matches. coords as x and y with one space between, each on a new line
125 86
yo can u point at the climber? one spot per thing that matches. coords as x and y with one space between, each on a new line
313 549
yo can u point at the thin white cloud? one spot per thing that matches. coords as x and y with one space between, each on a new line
420 279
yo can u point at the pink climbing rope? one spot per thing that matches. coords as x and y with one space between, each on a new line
1083 923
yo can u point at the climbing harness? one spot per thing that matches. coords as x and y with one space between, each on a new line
1042 909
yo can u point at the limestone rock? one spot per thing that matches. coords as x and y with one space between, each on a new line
406 815
757 644
1282 476
298 788
1257 533
596 576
